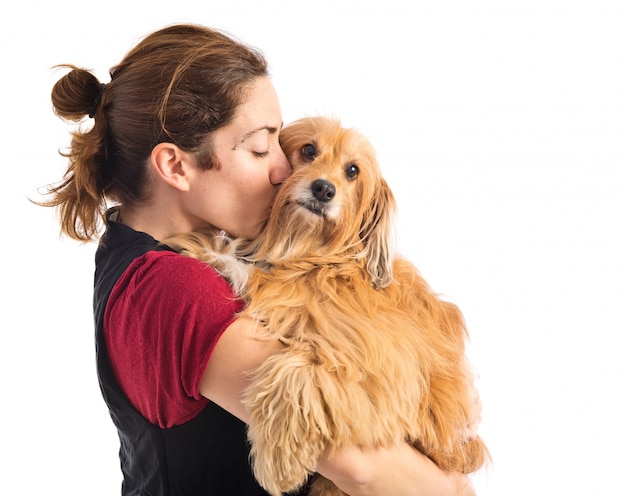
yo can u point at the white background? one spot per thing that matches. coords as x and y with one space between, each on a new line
501 128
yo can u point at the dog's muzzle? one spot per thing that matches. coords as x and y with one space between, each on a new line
322 192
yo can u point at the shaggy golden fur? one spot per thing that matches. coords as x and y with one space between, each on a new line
372 355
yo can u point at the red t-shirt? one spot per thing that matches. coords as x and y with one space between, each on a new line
161 324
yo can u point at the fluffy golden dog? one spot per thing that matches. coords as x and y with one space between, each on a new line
372 355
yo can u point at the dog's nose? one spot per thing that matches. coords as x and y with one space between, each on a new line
323 190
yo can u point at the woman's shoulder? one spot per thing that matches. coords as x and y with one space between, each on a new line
172 283
176 271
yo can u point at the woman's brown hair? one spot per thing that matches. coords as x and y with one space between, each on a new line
177 85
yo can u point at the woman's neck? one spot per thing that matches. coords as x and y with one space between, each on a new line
158 223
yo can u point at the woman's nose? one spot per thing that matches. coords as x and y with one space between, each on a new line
280 169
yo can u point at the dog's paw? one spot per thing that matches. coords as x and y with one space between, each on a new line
279 475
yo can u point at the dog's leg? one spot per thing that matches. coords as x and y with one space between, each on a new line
288 425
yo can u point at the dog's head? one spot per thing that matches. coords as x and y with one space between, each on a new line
336 202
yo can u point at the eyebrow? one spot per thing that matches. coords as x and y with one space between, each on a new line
269 129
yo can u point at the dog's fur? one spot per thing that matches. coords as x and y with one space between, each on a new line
372 355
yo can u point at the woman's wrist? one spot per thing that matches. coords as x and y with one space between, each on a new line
461 484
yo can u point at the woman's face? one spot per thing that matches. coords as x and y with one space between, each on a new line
236 195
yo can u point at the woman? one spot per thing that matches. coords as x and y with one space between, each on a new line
185 136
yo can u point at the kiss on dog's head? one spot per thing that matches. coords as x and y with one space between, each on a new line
372 355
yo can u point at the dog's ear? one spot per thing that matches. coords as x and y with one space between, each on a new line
377 234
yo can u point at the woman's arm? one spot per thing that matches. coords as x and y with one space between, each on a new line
237 353
399 470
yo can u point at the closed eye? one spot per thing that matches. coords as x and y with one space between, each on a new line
261 154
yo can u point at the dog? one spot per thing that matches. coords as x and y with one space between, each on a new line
372 355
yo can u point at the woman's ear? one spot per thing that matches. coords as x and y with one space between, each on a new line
171 164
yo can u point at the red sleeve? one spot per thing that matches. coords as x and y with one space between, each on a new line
161 324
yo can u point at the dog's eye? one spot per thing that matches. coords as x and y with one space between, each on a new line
308 152
352 171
